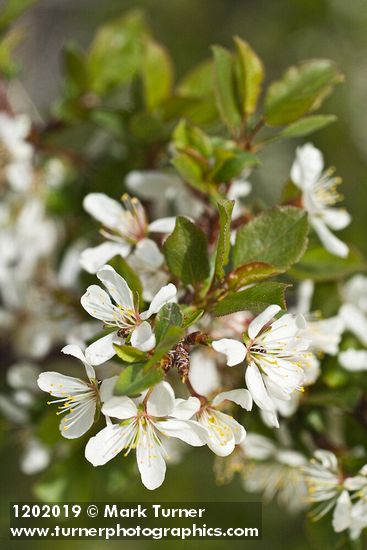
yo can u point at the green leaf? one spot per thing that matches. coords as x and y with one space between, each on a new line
192 316
75 67
225 90
187 136
139 376
225 208
253 272
318 264
233 166
116 52
157 75
12 10
186 252
190 171
8 43
251 75
129 354
307 125
169 315
136 378
301 89
255 299
277 237
198 82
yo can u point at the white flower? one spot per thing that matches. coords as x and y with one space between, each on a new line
319 195
350 516
354 360
26 237
122 314
35 457
23 376
324 482
142 427
77 398
124 225
15 152
167 192
147 260
274 472
275 355
324 334
353 312
224 432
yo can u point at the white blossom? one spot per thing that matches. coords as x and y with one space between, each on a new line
319 196
77 399
276 357
124 225
324 334
224 432
274 472
167 192
141 427
16 152
324 481
121 314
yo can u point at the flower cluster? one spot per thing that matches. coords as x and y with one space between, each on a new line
189 312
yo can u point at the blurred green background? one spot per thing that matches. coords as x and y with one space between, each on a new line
282 32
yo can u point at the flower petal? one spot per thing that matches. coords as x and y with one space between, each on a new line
143 337
106 444
104 209
258 447
220 436
233 349
102 349
238 430
242 397
342 511
77 423
355 321
162 225
150 461
121 407
336 218
261 320
257 388
60 385
165 295
354 360
203 373
35 458
307 166
107 387
329 240
98 304
116 286
146 256
184 409
188 431
92 259
161 401
75 351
